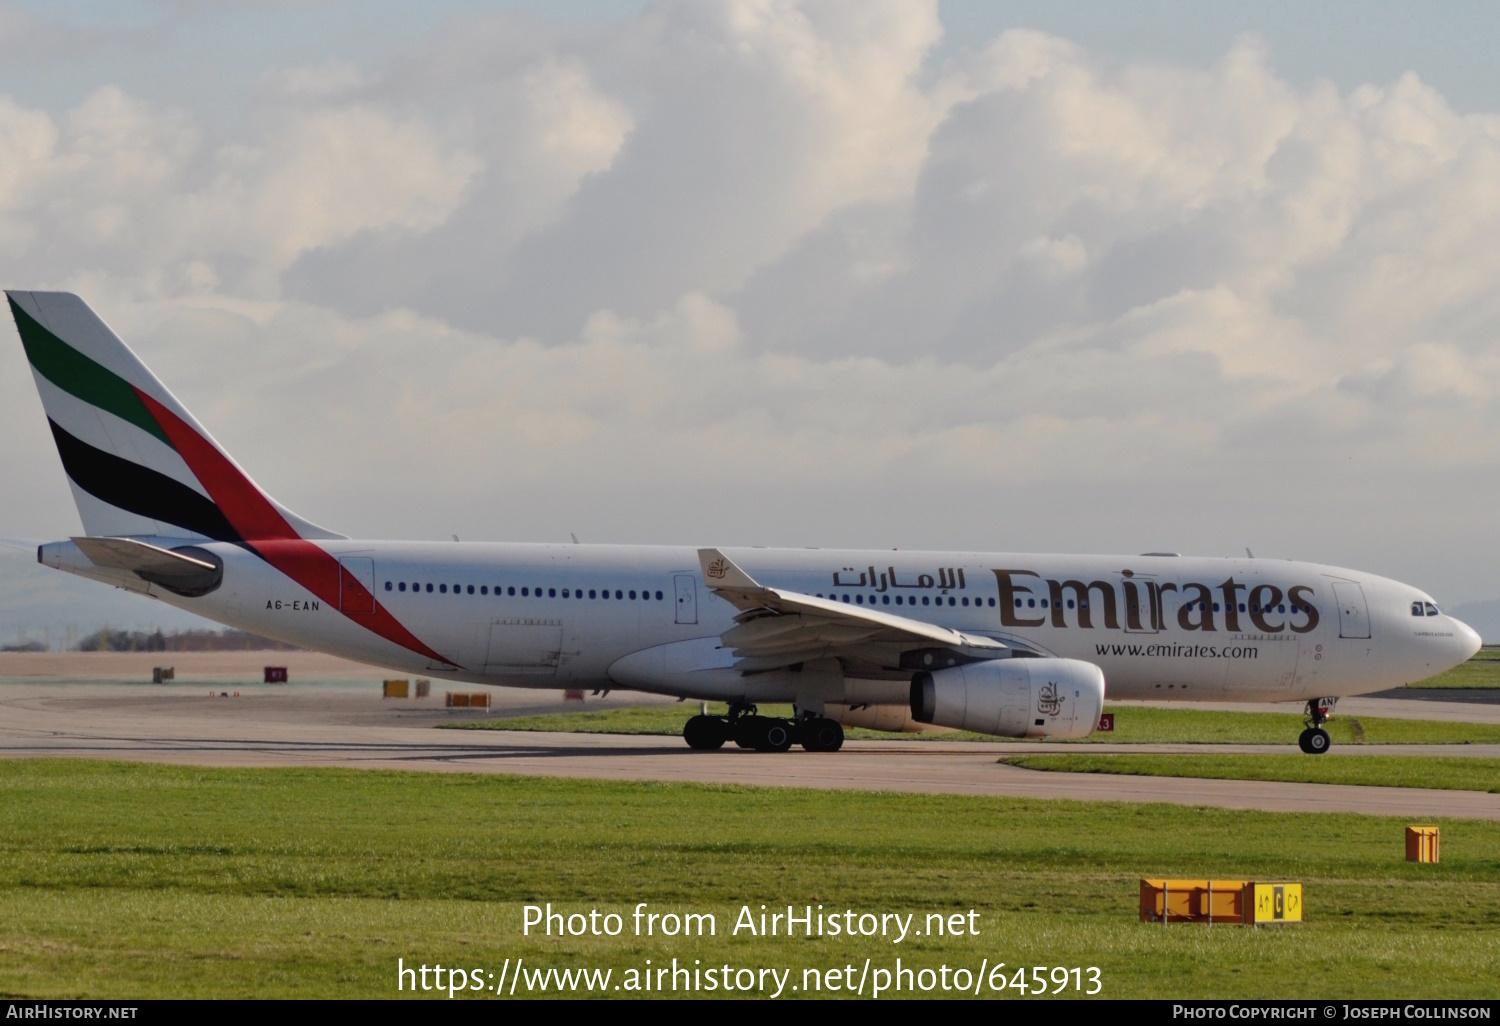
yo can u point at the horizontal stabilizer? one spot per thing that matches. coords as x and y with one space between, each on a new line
128 554
188 571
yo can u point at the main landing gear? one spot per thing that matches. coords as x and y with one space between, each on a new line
1315 740
747 729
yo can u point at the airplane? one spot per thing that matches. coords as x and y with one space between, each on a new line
1005 644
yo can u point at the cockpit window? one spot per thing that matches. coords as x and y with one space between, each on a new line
1432 610
1416 609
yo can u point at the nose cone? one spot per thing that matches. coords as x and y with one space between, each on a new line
1468 639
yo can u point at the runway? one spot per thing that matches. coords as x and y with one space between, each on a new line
348 725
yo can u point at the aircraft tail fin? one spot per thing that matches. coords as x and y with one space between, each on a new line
138 463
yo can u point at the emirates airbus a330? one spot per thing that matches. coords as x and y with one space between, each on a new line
1013 645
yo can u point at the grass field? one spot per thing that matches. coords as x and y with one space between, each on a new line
1483 671
1381 771
1133 725
138 880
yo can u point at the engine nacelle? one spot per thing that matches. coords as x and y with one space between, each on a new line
1059 698
893 719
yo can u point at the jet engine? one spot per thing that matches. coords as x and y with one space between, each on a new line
1058 698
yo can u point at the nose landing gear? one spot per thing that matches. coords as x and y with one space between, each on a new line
1315 740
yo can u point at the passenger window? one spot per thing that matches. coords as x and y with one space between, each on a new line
429 589
511 590
484 589
387 585
1242 607
591 593
471 589
402 586
658 596
846 598
952 601
551 592
1018 602
859 600
619 594
565 593
1216 607
632 594
443 588
925 600
526 592
1070 603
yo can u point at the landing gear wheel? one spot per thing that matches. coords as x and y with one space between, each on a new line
706 733
775 735
1314 741
822 735
747 730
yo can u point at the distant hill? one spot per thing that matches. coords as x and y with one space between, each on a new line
39 606
226 640
1484 617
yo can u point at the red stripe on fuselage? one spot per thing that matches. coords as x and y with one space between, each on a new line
268 534
318 572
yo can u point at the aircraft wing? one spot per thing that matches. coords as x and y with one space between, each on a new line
777 628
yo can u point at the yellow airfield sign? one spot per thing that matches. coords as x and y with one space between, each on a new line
1277 903
1246 902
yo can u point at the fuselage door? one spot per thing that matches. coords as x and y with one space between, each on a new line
357 584
687 598
1354 615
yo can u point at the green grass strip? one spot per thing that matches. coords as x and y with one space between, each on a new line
1449 774
140 880
1481 672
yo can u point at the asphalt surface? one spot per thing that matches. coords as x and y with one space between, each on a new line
350 726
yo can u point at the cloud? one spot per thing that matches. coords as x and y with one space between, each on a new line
764 270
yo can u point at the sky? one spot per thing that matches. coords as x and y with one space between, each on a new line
1072 276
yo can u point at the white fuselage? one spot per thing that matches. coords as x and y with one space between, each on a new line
597 616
